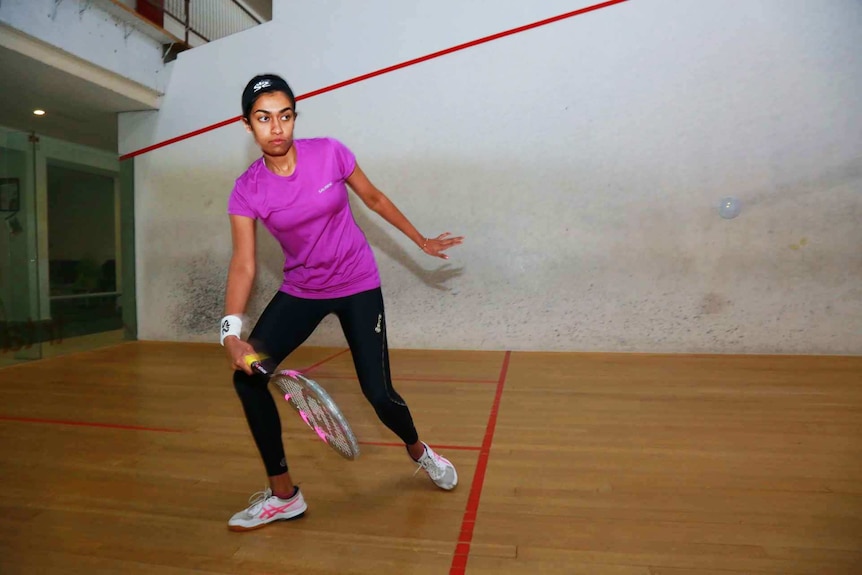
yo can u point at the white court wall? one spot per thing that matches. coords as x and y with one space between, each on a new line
583 161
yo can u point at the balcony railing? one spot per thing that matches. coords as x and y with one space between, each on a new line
198 21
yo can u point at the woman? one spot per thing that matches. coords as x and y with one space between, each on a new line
297 189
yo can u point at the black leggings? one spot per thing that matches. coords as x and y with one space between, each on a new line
283 326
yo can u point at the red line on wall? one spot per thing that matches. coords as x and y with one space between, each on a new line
178 139
463 46
389 69
465 539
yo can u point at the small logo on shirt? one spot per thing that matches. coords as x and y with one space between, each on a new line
324 188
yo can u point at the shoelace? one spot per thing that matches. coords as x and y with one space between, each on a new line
432 466
256 501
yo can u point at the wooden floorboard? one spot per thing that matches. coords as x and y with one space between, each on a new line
131 458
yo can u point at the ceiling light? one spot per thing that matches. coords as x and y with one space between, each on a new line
39 112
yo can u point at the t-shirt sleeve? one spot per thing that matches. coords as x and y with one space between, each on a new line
344 159
238 204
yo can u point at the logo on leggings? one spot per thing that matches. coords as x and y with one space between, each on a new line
379 319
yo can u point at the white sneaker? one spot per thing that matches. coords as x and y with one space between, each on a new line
439 469
264 508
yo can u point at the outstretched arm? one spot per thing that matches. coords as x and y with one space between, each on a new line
240 277
379 203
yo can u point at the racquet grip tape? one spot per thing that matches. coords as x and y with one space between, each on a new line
254 358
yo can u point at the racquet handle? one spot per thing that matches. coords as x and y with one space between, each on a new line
254 361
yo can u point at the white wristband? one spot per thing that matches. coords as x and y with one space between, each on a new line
230 325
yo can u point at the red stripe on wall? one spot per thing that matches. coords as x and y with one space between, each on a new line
389 69
179 139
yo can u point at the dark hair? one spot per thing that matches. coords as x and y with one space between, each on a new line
263 84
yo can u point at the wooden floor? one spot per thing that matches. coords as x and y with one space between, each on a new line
130 460
63 347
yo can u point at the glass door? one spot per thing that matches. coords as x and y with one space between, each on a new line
83 249
24 324
66 248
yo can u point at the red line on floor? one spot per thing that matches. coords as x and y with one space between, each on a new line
441 447
465 539
89 424
397 378
321 362
389 69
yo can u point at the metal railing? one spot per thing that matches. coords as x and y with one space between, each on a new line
200 21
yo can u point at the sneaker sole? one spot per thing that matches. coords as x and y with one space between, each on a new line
240 528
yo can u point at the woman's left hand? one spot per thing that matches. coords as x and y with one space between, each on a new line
436 246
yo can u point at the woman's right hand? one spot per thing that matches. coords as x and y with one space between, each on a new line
237 350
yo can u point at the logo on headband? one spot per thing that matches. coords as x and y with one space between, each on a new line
261 85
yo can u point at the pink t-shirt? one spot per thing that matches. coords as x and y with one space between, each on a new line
326 254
